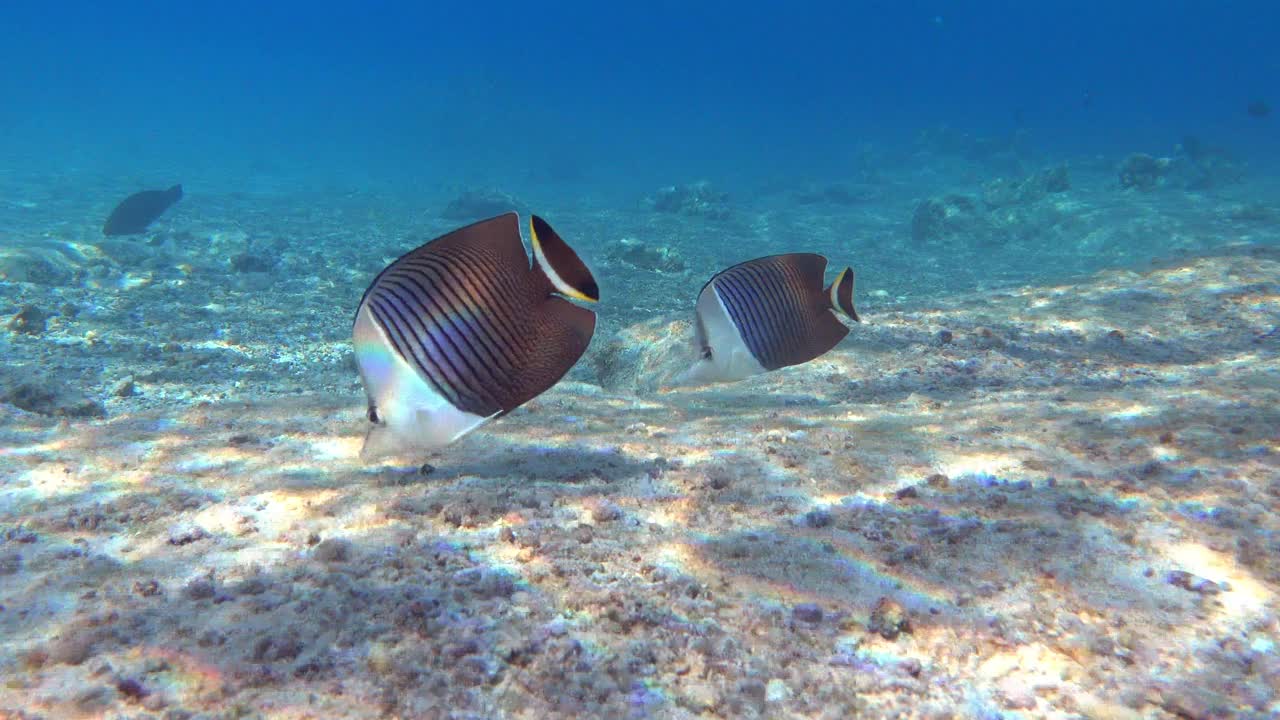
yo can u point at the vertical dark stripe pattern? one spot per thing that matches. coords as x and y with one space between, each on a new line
456 316
774 309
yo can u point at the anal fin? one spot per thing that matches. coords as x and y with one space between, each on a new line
563 330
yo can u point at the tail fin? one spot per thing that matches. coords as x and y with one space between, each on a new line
569 276
841 294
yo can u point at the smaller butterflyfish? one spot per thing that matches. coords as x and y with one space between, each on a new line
465 329
766 314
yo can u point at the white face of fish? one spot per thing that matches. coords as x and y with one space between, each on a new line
730 359
411 415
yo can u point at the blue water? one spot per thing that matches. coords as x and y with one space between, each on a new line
182 510
618 97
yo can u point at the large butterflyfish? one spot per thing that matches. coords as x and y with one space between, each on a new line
465 329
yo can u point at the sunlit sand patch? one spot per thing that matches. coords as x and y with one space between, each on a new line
672 511
273 512
133 281
1131 412
46 481
208 461
48 447
332 447
222 345
194 673
678 555
1036 664
838 577
1245 597
977 464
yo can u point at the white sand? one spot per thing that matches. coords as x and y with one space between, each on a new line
1020 495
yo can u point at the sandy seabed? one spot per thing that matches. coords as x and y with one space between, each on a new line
1056 501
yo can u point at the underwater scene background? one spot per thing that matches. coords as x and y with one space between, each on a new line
1039 479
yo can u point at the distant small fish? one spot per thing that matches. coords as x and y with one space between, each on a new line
1259 108
766 314
462 330
136 212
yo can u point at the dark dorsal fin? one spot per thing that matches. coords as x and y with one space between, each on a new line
498 235
810 267
174 193
563 269
840 292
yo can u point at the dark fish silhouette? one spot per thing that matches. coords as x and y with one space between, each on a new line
1259 108
462 330
136 212
769 313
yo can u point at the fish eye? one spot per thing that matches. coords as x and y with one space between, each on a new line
373 415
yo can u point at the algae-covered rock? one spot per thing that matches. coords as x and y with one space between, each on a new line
646 257
1010 210
645 356
1199 165
1005 192
1142 172
1054 180
30 320
698 199
39 266
473 205
47 397
945 218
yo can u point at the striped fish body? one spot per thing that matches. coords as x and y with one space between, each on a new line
766 314
463 330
